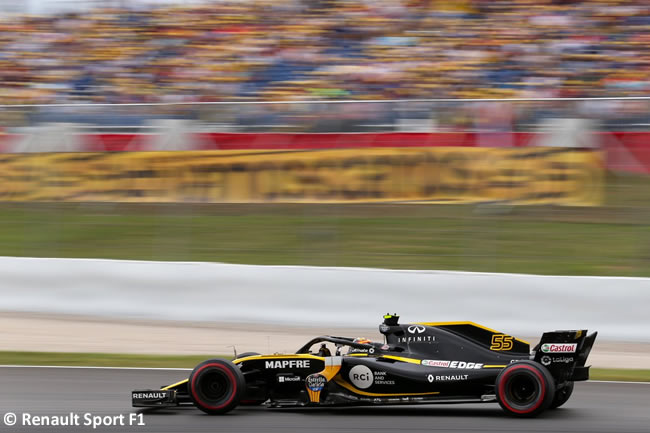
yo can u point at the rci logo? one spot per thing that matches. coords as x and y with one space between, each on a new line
416 329
361 376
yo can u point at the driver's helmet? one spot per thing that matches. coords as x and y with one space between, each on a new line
359 340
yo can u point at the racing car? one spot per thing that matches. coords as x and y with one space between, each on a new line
444 362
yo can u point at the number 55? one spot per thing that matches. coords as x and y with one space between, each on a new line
501 342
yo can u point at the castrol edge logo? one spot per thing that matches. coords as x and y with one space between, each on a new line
559 348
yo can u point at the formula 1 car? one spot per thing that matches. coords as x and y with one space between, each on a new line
450 362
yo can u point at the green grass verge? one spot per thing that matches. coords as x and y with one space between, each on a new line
189 361
622 374
609 240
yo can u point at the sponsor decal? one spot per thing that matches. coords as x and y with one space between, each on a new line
361 376
547 360
416 329
559 347
435 363
380 379
385 347
452 364
149 395
419 339
315 382
431 378
383 327
463 364
287 363
283 379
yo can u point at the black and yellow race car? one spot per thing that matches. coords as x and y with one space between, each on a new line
449 362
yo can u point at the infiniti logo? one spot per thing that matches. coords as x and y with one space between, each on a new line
415 329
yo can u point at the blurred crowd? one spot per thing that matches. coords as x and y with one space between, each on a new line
321 49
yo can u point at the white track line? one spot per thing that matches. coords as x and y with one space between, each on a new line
189 369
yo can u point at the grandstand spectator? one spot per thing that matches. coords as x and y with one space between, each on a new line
322 49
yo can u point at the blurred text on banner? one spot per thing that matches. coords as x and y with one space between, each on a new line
562 176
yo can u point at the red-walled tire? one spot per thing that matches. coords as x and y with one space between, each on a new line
216 386
525 389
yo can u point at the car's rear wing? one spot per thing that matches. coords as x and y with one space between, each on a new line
564 354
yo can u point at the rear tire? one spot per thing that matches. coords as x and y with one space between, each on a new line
216 386
525 389
562 395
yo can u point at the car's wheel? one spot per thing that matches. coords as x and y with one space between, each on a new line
562 395
525 389
216 386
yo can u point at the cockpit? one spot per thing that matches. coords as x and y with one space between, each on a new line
338 346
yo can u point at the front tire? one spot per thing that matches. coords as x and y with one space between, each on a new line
525 389
562 395
216 386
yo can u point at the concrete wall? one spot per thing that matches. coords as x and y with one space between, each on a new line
513 303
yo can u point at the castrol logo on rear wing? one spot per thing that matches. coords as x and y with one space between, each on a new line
559 348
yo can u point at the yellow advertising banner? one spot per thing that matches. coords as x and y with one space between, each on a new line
562 176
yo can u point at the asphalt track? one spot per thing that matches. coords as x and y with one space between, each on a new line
594 407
